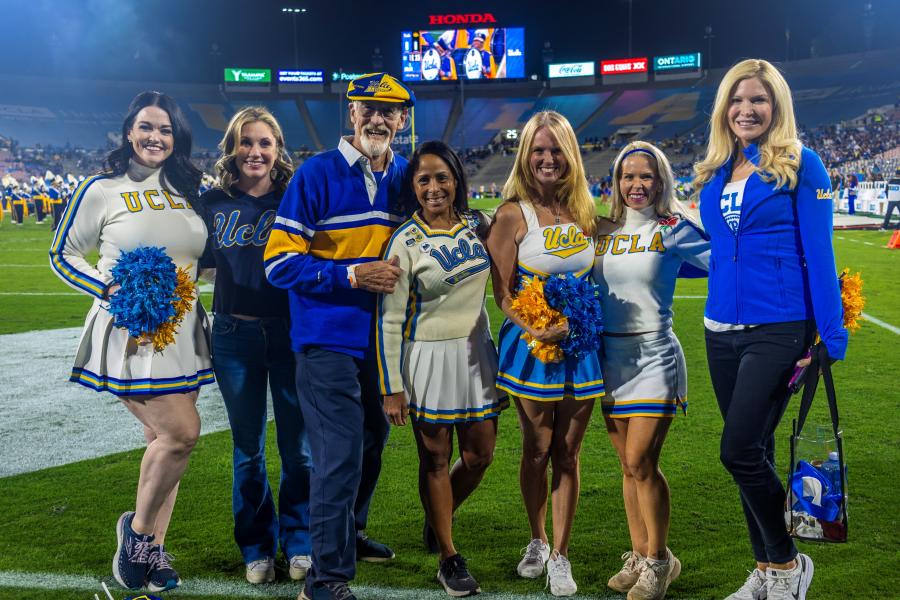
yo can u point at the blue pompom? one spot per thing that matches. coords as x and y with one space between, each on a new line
147 277
579 301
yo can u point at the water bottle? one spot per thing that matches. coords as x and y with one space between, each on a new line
831 468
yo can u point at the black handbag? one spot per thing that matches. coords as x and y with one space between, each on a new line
816 504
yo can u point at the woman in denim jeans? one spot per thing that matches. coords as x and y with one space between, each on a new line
251 346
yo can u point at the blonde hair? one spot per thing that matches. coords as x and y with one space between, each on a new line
571 188
226 167
666 202
779 147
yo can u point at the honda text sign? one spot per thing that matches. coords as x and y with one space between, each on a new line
581 69
623 66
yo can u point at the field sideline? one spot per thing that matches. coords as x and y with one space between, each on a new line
59 521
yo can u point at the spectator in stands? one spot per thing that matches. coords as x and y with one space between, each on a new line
333 225
143 198
643 365
892 191
772 281
252 349
545 227
441 372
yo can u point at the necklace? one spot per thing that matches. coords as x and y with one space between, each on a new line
552 214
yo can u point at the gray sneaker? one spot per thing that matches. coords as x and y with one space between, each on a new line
753 589
655 578
628 575
790 584
534 556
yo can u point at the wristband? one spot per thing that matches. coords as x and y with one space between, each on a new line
351 276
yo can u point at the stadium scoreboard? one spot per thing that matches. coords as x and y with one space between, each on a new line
471 54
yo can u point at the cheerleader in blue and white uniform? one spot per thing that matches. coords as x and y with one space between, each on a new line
545 228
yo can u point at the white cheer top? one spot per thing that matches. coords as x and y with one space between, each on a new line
553 249
439 296
636 264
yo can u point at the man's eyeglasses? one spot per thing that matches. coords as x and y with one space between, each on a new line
387 112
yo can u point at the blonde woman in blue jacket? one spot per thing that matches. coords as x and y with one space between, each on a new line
765 203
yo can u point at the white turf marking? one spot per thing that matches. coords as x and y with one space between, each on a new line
222 588
41 294
881 323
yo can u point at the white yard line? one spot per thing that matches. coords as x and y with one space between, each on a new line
881 323
41 294
233 588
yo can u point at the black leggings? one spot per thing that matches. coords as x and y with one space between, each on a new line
750 370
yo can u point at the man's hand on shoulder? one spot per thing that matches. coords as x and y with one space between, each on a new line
378 276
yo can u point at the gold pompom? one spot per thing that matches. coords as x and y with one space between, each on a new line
531 306
852 299
185 293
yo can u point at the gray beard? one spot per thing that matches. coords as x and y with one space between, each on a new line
373 149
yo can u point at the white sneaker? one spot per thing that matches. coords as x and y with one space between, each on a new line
534 557
261 571
655 578
628 575
559 576
753 589
792 583
298 566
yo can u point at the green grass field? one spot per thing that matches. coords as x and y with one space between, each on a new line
60 520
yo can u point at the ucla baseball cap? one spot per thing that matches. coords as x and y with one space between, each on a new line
380 87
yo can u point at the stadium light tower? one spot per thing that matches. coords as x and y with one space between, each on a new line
293 11
708 36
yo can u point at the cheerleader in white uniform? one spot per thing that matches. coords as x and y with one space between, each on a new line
640 250
546 228
143 199
436 361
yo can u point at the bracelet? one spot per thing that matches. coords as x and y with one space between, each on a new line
351 275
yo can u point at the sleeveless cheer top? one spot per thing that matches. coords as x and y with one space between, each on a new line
553 249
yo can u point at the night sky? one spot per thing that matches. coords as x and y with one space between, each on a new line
193 40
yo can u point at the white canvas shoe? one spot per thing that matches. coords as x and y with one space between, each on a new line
534 557
261 571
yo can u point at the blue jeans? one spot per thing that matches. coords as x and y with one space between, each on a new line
247 354
347 432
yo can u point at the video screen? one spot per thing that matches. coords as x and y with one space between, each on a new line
451 54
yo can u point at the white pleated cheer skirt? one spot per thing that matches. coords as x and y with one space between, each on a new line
453 381
645 375
108 359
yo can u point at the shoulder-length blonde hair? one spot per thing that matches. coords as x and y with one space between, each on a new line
779 147
226 167
666 202
571 188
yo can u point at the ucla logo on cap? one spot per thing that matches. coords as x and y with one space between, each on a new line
380 87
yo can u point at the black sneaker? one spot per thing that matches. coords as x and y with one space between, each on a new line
161 576
368 550
132 558
333 590
454 576
429 539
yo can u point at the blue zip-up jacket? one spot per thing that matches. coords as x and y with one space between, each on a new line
780 265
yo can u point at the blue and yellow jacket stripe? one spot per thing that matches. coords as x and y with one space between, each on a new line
326 222
780 265
68 272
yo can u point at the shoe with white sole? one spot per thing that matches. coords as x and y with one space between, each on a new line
534 557
559 576
261 571
790 584
298 566
655 578
753 589
628 575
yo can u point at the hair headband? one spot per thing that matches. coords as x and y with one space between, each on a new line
633 150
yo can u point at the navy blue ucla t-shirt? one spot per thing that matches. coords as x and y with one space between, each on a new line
239 228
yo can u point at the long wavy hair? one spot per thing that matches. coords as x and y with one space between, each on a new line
178 170
666 202
572 188
226 166
779 147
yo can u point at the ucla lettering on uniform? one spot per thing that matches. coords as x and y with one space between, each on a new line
449 259
134 203
624 243
228 233
823 194
564 243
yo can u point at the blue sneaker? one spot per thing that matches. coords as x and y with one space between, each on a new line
161 575
368 550
333 590
132 557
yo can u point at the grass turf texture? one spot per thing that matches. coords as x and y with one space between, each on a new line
61 520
